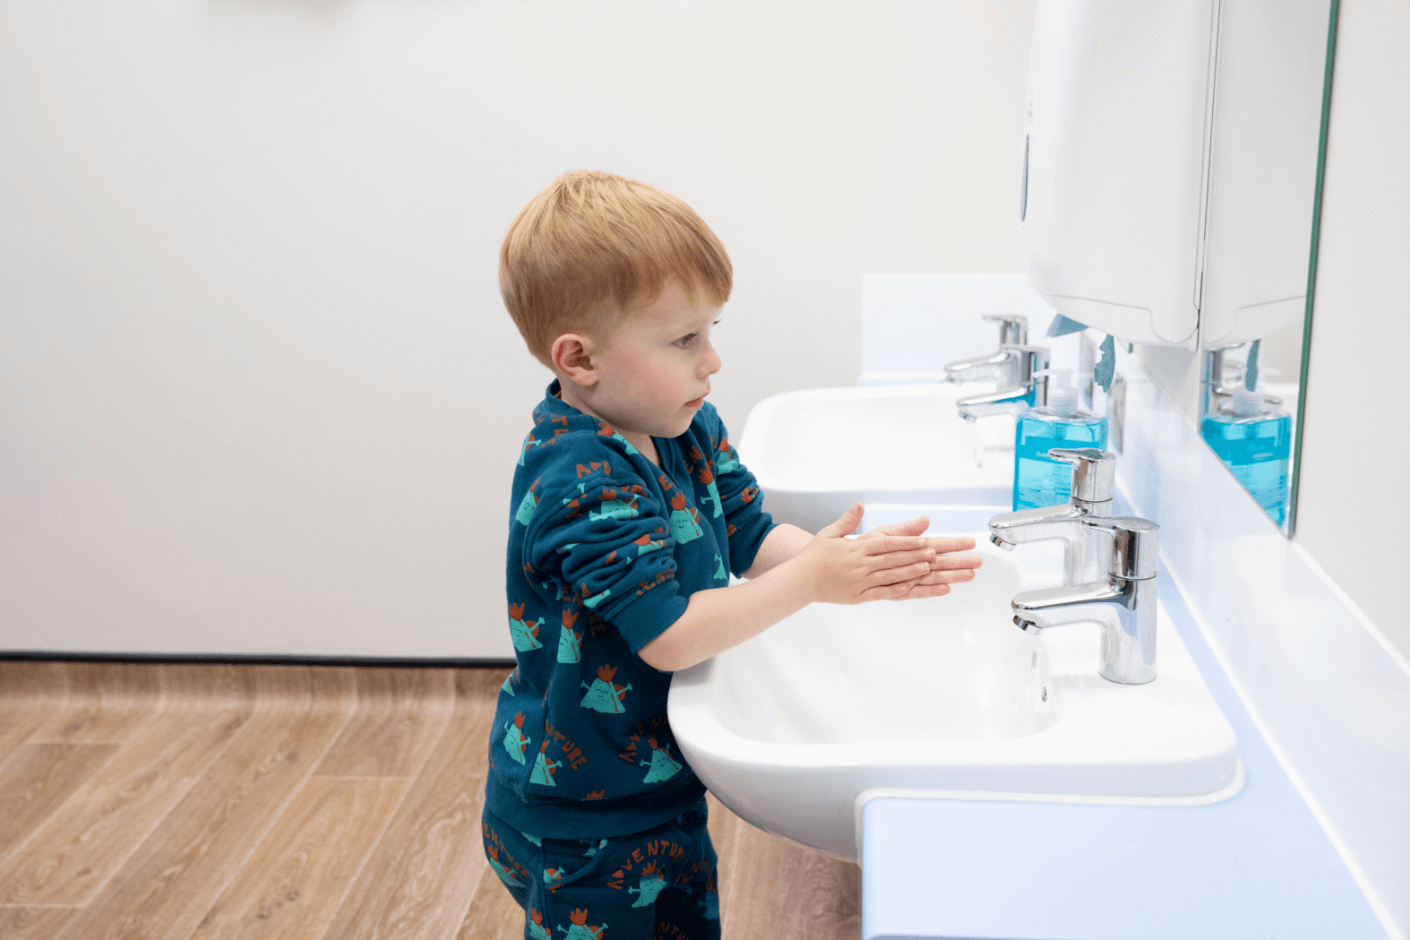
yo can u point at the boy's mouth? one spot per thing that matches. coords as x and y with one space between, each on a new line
695 402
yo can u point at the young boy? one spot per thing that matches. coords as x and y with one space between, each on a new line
629 511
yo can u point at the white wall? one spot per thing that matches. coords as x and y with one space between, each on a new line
1353 512
257 390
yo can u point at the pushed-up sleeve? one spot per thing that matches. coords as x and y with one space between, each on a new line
747 525
608 539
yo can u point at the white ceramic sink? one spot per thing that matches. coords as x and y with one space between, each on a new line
792 728
817 451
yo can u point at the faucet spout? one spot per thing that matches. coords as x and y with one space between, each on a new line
1086 552
1024 370
1125 609
999 366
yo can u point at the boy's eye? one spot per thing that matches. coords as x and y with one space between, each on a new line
685 342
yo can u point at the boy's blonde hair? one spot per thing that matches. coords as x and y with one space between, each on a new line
592 246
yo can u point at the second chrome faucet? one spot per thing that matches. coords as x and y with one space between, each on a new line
1109 568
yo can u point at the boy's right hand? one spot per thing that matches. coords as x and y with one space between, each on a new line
840 570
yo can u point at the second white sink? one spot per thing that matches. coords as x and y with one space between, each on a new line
815 452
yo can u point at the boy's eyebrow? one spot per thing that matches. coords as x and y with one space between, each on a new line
684 326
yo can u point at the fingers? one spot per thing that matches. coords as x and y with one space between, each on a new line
957 562
900 559
943 545
948 577
905 591
848 521
916 526
897 575
894 543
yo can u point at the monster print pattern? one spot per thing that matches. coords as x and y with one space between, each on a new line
508 686
602 695
650 885
581 930
606 430
720 573
570 642
527 506
726 460
647 544
544 768
614 507
516 742
685 523
525 635
661 765
536 927
708 479
505 875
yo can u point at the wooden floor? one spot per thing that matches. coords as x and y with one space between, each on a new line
213 802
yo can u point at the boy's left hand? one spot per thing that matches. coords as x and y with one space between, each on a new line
947 568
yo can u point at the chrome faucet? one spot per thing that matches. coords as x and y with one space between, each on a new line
1085 558
1013 331
1213 392
1028 374
1124 602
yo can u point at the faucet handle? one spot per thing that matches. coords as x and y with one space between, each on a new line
1093 472
1135 551
1013 329
1032 372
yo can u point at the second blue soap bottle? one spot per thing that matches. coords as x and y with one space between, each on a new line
1038 480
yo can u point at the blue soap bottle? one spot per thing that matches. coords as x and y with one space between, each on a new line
1038 480
1254 440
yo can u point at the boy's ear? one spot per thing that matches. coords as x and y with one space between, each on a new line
572 357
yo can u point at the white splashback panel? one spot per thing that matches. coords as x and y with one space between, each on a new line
913 324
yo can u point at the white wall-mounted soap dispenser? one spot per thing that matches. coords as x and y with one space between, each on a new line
1156 133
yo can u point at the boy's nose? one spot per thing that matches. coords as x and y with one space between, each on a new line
711 363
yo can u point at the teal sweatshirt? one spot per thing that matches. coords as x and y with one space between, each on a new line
605 548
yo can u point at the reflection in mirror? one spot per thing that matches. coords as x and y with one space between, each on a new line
1269 108
1243 387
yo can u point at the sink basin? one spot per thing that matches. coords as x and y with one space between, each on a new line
815 452
795 728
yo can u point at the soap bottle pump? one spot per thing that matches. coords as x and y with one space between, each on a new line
1253 438
1039 480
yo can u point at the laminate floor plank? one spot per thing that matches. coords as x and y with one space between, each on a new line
297 877
34 923
425 869
31 693
172 880
493 915
400 716
78 848
107 703
299 802
771 887
36 779
30 679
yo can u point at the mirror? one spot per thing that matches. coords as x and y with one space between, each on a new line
1242 384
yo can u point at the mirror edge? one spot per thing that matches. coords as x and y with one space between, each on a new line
1291 530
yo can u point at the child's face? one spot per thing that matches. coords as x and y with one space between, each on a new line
654 374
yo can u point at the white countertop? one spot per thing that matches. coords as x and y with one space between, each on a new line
1255 865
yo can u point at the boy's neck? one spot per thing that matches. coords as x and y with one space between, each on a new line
641 442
